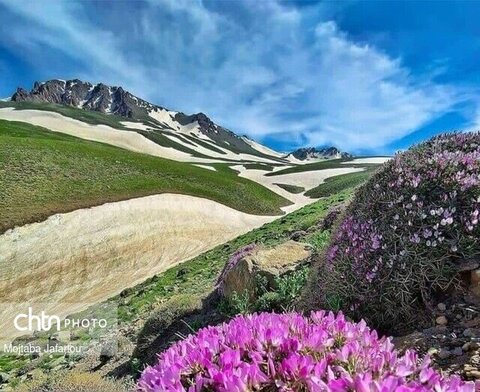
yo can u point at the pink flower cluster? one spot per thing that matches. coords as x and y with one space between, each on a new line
289 352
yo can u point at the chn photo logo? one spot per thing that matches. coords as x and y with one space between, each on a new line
41 321
30 321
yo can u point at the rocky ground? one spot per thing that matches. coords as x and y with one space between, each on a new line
453 342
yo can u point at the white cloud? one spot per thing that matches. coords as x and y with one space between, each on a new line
366 98
474 125
259 68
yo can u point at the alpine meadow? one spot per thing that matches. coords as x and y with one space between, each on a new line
239 196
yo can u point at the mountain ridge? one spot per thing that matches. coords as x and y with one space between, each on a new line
156 122
311 153
113 100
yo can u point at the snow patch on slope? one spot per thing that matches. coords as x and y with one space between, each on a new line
206 167
167 118
111 247
378 160
262 149
136 125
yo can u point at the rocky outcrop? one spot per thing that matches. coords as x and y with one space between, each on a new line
71 92
84 95
309 153
268 263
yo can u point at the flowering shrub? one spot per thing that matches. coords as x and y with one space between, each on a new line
288 352
232 261
406 233
331 218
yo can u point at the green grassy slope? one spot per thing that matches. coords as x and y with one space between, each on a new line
291 188
321 165
259 166
337 184
205 144
43 172
196 277
159 138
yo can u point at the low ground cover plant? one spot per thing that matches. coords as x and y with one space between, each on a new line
282 296
289 352
406 234
74 382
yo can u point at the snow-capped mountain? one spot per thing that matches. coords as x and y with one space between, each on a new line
312 153
84 95
149 117
194 134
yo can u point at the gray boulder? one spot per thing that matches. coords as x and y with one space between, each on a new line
268 263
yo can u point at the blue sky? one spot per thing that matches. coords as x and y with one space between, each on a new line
368 77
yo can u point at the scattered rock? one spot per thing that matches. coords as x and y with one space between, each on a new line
182 272
468 368
442 307
441 320
469 333
472 323
239 279
457 351
444 353
470 275
109 350
474 374
4 378
454 347
468 265
475 359
63 336
126 292
440 329
298 235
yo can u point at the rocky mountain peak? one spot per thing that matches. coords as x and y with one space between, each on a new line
308 153
84 95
